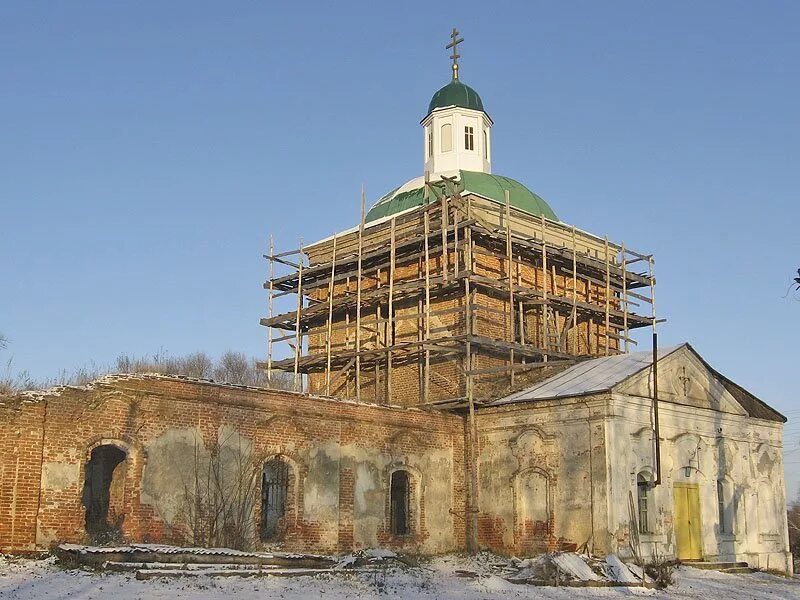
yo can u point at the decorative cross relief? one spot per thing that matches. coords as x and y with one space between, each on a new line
685 381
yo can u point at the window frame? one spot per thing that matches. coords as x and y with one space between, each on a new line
643 500
469 137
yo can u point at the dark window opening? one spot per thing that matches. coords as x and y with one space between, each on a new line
400 503
103 493
274 490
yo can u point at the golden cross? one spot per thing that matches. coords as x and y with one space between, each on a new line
455 55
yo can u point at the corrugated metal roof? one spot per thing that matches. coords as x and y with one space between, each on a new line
589 377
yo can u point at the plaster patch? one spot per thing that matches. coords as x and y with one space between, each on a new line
60 476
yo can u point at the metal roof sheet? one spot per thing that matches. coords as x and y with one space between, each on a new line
589 377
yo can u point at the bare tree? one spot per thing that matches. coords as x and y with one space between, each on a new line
220 492
233 367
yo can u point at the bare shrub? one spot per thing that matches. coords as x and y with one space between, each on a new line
232 367
661 570
220 492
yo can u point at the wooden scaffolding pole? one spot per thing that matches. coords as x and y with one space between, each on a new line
575 345
608 295
426 389
510 279
298 340
330 320
391 322
358 294
625 297
472 443
269 308
545 306
445 256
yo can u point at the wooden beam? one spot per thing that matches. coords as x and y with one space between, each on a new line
426 390
625 299
269 312
608 294
358 294
330 320
510 277
390 317
298 338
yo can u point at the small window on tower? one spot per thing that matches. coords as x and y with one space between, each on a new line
469 138
485 145
430 143
447 138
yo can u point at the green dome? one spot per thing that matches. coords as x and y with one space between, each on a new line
411 195
456 93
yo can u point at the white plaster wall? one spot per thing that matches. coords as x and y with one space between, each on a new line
701 427
449 162
564 439
432 495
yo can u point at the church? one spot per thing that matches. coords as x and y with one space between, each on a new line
464 377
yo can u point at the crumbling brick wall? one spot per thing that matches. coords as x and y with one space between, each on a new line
339 452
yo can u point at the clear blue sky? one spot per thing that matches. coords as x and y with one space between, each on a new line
148 149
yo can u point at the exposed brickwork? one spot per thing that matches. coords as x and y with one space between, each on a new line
134 413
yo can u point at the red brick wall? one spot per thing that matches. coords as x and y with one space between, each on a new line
20 473
133 412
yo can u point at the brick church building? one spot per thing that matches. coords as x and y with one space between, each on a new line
463 379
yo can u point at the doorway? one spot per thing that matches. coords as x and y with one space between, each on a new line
688 531
104 492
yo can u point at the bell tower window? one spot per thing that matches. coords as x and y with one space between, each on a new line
469 138
430 143
485 145
447 137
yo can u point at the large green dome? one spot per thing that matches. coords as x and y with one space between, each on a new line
411 195
456 93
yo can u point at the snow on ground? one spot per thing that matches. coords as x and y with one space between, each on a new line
29 579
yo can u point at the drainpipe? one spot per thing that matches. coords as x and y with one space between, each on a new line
656 433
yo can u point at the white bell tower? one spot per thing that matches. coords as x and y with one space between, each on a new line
457 130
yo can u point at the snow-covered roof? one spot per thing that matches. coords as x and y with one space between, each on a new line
589 377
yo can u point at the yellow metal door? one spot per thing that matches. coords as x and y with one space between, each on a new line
687 521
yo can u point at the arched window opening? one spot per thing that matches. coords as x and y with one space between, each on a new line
447 138
643 490
274 491
469 138
400 500
430 143
103 493
485 145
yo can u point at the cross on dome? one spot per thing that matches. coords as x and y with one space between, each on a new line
455 55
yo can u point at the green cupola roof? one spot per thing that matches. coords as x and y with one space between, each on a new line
456 93
492 187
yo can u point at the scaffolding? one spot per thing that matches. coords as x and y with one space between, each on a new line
461 293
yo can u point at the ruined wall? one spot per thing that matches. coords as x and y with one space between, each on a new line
340 455
542 476
706 438
20 472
